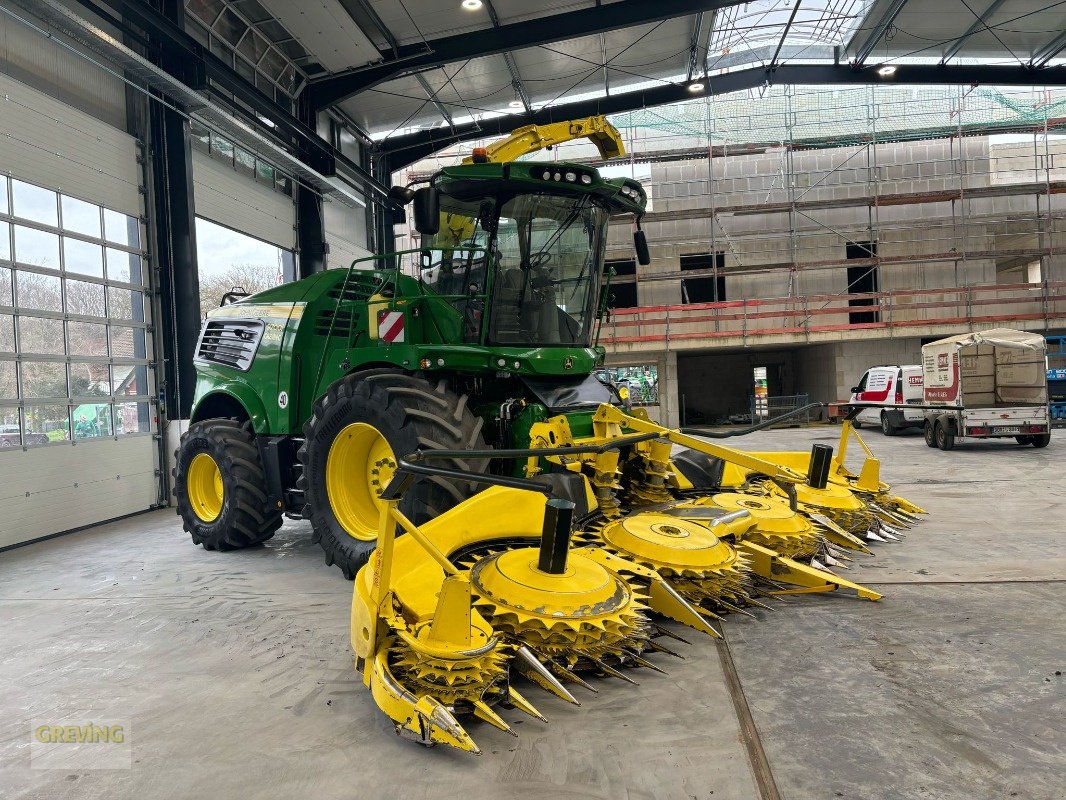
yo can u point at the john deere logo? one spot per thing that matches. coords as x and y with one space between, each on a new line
568 363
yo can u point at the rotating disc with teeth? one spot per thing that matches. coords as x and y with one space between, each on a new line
776 525
452 681
702 568
578 619
835 502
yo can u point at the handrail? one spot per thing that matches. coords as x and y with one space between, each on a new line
945 306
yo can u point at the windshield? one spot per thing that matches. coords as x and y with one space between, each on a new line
547 251
548 248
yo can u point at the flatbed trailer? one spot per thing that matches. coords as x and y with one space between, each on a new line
986 385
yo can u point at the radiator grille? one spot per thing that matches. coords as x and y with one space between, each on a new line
230 342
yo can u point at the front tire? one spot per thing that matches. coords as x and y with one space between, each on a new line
358 431
887 428
220 487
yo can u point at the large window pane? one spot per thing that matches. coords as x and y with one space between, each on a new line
89 379
39 291
7 333
39 248
127 342
9 386
123 266
43 379
125 304
81 217
92 421
130 379
133 418
87 339
10 427
34 203
228 258
85 298
83 257
5 287
5 241
121 229
40 335
46 423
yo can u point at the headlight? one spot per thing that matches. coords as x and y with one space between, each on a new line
571 176
586 179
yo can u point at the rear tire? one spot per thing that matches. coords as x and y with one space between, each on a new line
856 424
945 436
887 428
1040 440
1023 440
929 429
408 413
233 511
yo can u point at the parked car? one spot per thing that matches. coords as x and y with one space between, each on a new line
890 385
10 437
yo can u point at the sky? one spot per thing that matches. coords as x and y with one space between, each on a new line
218 248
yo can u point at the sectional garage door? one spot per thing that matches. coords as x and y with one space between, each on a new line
237 201
77 378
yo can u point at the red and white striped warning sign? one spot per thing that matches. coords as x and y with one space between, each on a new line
390 326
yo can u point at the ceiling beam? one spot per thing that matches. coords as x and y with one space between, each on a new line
979 24
370 14
702 30
879 31
1048 51
784 33
330 90
409 148
512 67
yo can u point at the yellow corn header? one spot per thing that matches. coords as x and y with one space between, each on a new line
568 573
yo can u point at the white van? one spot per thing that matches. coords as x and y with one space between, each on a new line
890 385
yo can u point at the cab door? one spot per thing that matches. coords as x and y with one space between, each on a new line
875 386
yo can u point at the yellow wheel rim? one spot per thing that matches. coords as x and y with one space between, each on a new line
205 489
359 466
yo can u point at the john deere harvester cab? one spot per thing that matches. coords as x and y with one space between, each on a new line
308 393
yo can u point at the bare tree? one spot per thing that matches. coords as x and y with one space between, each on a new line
251 278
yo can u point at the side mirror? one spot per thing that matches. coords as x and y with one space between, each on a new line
427 210
640 243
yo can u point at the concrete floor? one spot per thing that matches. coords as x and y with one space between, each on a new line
235 672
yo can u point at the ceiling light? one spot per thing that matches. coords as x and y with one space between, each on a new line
886 70
696 87
515 104
472 5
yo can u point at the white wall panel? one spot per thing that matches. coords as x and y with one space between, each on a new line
47 490
345 233
229 198
61 68
51 144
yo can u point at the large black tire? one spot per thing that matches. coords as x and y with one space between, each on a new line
929 429
1024 440
945 435
411 414
887 426
246 517
1040 440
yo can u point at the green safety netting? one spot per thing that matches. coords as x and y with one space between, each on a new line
824 117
